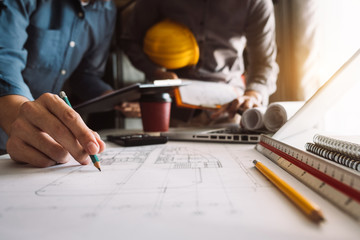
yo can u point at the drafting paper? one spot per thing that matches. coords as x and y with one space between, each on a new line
178 190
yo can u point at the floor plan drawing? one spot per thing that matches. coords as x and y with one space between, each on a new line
168 186
161 173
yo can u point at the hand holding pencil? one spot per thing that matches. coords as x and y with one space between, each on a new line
93 157
46 131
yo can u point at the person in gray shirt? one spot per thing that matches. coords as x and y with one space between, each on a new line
223 30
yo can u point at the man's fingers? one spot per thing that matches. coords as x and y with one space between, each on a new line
52 115
233 108
52 125
21 152
101 143
129 109
230 108
161 74
40 141
249 102
72 120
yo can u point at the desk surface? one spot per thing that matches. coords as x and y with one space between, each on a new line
178 190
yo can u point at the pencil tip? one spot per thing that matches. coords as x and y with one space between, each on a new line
317 216
97 165
254 162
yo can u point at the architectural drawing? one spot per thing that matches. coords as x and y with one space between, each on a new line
169 187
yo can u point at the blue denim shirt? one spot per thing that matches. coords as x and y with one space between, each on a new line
43 43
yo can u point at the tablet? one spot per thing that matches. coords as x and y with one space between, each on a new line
127 94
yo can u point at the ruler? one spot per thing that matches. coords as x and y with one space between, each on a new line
335 183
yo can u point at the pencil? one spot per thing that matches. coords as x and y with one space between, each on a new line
94 158
311 210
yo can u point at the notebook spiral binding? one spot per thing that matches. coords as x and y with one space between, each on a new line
333 156
349 149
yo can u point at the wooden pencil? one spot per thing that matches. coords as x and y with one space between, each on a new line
310 209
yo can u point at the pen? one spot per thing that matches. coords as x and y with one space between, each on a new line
311 210
94 158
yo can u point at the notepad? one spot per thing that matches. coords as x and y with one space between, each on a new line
344 147
342 152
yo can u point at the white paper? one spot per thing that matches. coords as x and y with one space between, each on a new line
253 119
278 113
271 118
179 190
207 94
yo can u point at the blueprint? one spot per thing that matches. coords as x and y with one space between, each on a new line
176 190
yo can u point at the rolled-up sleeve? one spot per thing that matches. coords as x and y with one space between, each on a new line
261 47
14 19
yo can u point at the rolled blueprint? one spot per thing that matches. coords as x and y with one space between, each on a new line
278 113
269 119
253 119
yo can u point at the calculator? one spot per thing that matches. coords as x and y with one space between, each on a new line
128 140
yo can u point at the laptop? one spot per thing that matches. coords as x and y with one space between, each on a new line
307 117
222 134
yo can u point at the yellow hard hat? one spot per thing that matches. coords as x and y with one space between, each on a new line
171 45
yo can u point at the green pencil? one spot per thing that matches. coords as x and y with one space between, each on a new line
94 158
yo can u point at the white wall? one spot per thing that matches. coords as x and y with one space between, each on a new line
339 33
340 38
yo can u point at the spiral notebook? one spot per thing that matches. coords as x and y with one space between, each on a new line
342 152
310 114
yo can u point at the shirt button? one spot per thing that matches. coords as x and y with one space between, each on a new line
81 14
72 44
63 72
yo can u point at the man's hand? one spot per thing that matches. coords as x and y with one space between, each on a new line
250 99
162 74
129 109
45 131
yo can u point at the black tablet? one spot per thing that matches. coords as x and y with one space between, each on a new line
127 94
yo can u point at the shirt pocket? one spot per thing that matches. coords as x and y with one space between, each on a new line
44 48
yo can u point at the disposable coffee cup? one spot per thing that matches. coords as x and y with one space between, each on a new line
155 112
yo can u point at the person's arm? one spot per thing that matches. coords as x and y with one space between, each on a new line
262 68
261 49
14 19
143 16
41 132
